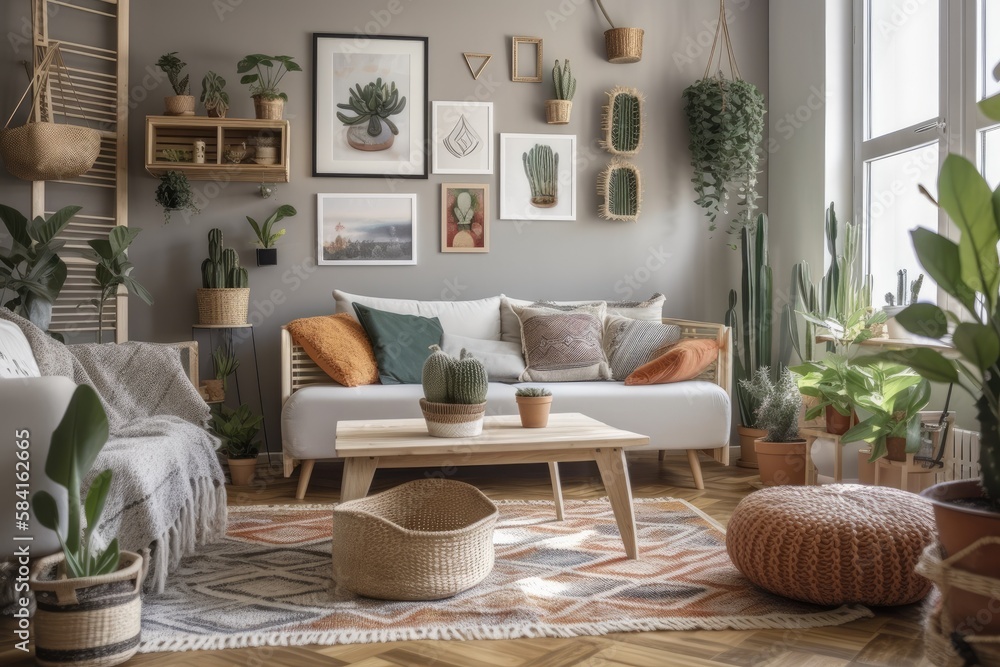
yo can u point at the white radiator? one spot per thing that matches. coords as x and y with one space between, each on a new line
961 457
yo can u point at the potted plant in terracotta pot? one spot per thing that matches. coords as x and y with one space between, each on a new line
967 511
104 630
214 96
533 404
237 430
557 111
781 454
267 254
893 395
181 103
454 402
826 381
268 71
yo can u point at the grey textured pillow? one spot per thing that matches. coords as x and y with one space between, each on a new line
510 328
630 343
563 346
503 361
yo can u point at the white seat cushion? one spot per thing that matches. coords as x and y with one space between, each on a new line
16 358
682 415
473 319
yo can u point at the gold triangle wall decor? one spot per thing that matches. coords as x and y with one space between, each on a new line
486 61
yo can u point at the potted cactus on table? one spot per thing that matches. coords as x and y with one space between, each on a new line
454 402
533 404
557 111
224 296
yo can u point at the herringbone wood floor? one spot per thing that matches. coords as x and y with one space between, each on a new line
891 639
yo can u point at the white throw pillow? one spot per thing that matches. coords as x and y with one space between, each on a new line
504 362
472 319
16 357
510 327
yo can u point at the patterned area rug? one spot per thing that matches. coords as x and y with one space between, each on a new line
269 583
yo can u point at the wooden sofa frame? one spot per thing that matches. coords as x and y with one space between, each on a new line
298 371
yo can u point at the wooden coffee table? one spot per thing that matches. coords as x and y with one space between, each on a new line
404 443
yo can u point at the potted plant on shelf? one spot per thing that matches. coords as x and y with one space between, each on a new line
31 268
557 111
967 511
107 580
371 128
112 270
174 194
533 404
826 381
454 402
896 303
181 103
268 101
237 430
214 96
781 454
224 297
893 395
267 254
623 45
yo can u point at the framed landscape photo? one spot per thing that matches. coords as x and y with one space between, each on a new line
462 137
361 229
465 217
369 106
538 176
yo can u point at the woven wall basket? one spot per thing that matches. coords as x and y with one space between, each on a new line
557 112
453 420
92 621
424 540
222 306
623 45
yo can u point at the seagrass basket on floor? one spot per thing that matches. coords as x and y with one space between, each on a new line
223 306
424 540
93 621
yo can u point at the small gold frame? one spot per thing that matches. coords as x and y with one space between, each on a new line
515 75
487 57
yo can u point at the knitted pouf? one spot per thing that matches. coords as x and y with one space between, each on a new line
833 545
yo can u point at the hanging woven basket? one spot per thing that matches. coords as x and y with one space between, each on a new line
623 45
41 150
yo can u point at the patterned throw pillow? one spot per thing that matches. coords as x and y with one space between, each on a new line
563 346
510 327
630 343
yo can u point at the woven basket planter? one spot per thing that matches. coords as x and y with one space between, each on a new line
266 109
49 151
424 540
93 621
453 420
223 306
178 105
557 112
623 45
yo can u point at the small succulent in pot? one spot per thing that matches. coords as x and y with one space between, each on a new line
371 129
533 404
181 103
214 96
267 254
174 194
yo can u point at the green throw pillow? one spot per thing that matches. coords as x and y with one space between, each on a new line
401 342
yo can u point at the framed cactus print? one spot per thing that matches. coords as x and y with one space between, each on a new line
465 217
538 176
369 106
364 229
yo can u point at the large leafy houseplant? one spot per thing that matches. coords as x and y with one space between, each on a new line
112 270
268 71
237 429
31 268
893 395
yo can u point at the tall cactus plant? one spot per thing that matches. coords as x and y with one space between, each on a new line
541 166
222 268
563 81
461 381
753 337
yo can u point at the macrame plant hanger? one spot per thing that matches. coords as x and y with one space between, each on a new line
725 49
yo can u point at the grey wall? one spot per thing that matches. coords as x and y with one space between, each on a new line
588 258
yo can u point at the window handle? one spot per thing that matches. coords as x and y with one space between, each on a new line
933 125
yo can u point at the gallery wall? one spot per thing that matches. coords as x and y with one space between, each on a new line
668 250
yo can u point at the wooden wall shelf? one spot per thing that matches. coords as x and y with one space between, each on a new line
180 133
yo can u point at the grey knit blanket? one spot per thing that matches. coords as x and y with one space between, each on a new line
168 489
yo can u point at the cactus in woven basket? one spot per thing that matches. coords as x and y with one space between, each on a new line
222 268
541 166
462 381
563 81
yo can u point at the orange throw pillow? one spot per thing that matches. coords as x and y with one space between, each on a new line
339 346
684 361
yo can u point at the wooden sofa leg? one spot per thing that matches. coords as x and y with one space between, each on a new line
699 481
662 454
305 473
288 464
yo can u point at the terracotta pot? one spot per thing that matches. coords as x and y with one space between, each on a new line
896 448
178 105
557 112
534 410
781 463
242 470
623 45
839 424
748 454
268 109
960 526
88 621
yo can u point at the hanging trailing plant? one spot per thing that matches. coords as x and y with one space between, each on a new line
726 123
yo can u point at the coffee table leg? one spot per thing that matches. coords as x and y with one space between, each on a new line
556 489
358 474
614 473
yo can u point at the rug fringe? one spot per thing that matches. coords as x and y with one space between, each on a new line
839 616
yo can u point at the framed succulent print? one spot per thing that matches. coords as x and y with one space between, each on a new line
465 217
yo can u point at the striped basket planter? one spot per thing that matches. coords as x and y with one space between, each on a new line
453 420
91 621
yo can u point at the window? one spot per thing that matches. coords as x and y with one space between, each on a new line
916 103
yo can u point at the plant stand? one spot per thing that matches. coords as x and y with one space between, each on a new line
906 469
227 337
811 435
